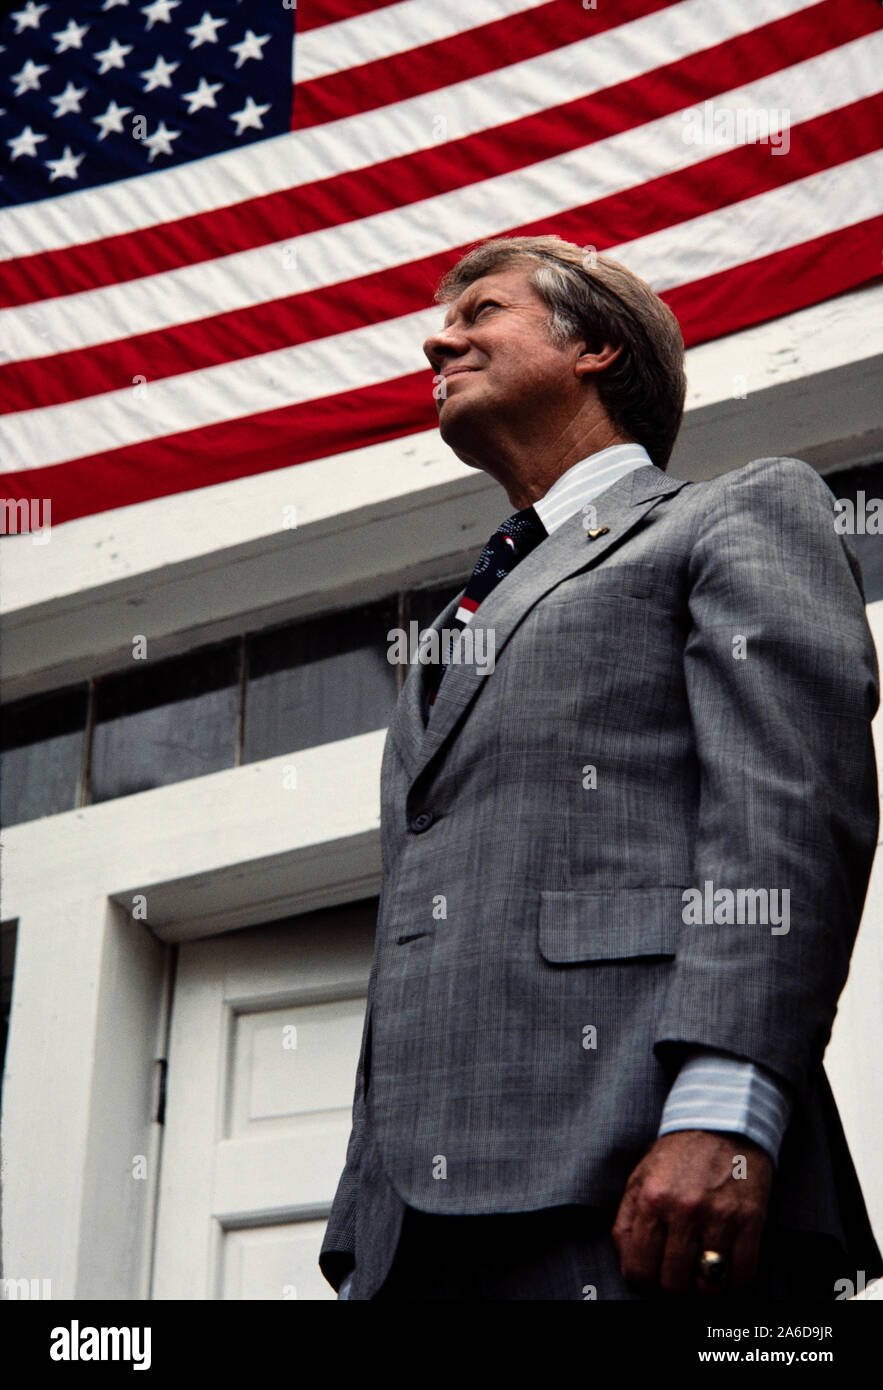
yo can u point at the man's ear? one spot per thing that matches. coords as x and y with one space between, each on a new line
589 362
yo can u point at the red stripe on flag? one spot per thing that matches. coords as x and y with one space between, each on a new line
717 182
398 182
221 453
314 14
763 289
757 291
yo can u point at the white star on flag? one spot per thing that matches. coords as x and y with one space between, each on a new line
71 37
112 4
249 47
28 79
160 10
66 167
29 17
204 95
112 120
160 75
160 141
25 143
68 100
113 56
249 118
206 31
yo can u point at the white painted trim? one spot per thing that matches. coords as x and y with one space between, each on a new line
205 564
219 852
85 1029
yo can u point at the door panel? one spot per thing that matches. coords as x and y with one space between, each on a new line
274 1262
265 1034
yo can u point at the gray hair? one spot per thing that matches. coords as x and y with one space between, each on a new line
594 298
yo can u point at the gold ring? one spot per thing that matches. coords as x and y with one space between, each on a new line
712 1266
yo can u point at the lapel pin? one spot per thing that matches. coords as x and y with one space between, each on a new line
599 531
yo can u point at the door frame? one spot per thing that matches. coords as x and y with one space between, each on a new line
101 896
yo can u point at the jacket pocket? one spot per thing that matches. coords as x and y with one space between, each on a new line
612 577
609 924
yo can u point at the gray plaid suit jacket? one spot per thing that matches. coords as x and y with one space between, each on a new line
521 904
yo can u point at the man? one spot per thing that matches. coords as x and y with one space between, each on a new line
625 862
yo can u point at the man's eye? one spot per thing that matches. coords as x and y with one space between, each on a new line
486 304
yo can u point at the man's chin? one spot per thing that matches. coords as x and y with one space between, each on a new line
462 442
458 419
455 430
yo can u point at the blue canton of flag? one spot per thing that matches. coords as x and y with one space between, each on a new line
93 92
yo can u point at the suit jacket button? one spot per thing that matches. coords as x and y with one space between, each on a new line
422 822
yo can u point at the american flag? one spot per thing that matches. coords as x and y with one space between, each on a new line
221 228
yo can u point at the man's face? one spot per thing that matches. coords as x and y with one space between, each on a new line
501 371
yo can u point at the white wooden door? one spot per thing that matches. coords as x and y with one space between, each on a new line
265 1034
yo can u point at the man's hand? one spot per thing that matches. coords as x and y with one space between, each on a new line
686 1196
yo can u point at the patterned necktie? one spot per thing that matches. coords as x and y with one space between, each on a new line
509 544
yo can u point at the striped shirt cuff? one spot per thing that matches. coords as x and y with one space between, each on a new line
716 1091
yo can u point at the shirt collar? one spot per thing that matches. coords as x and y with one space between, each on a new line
586 480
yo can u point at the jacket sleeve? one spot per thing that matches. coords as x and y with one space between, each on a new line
782 684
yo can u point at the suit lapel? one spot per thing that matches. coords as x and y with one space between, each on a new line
567 550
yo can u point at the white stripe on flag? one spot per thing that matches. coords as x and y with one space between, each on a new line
759 226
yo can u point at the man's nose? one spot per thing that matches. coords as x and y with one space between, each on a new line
446 343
